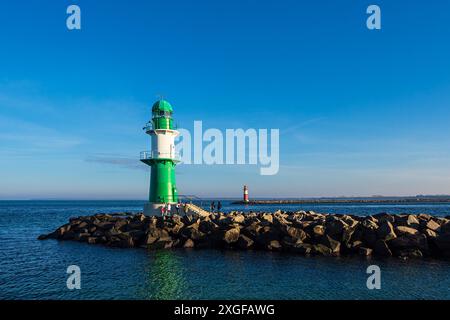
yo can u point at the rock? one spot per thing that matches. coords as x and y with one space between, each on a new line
192 232
369 223
149 239
238 218
335 226
81 237
120 224
302 248
409 241
189 243
274 245
363 251
445 227
139 217
92 240
351 223
134 225
334 245
105 225
386 231
347 236
322 249
155 232
137 235
432 225
412 220
430 233
207 226
253 229
423 216
369 236
406 230
319 230
443 242
380 248
164 243
244 242
382 217
43 237
410 253
267 217
231 235
296 233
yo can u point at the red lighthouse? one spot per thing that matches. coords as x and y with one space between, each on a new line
245 194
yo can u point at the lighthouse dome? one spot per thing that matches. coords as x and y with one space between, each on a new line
162 105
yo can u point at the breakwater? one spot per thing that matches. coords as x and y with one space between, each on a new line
404 236
381 200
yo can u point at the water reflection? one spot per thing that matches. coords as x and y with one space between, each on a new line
165 276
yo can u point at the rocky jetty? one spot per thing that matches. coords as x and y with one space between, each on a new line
404 236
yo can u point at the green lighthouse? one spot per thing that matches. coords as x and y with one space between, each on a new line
161 158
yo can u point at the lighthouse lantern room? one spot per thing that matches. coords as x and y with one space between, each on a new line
162 158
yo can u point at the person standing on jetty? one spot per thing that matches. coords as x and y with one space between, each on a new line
177 206
163 211
213 206
169 210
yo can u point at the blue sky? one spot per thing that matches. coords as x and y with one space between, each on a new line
360 112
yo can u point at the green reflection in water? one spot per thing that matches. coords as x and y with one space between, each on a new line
165 276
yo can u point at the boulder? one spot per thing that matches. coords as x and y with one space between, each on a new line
231 235
430 233
423 216
302 248
335 226
412 221
163 243
189 243
369 223
139 217
432 225
92 240
157 233
363 251
406 230
192 232
244 242
334 245
296 233
443 242
322 249
410 253
380 248
445 227
274 245
369 236
207 226
253 229
239 218
43 237
382 217
82 237
105 225
386 231
267 217
319 230
409 241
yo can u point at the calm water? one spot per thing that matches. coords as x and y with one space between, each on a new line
32 269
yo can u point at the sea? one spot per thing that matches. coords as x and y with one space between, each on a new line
31 269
